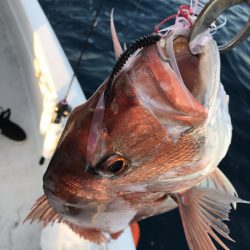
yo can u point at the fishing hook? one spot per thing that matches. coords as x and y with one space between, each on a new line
209 13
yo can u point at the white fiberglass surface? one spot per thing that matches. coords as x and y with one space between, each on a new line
20 174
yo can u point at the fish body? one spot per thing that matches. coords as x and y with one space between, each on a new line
155 147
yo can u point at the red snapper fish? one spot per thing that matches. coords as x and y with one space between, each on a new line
148 141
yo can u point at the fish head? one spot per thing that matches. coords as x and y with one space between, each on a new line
109 160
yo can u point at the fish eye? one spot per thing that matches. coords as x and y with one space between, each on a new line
113 166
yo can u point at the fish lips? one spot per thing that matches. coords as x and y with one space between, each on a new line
93 214
78 212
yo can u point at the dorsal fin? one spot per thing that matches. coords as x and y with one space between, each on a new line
115 39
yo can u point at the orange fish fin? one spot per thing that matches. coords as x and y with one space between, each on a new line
204 209
43 212
135 229
116 235
217 180
116 43
92 235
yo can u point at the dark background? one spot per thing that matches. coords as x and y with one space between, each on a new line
71 19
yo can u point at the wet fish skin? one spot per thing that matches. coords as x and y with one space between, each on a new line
169 138
65 177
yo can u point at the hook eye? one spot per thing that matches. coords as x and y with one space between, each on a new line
209 13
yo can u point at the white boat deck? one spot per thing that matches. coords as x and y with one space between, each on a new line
26 37
21 176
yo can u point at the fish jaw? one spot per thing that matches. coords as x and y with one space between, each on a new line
110 217
46 210
193 113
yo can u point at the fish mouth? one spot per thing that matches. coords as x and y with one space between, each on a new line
43 212
188 70
185 65
199 73
188 65
178 101
179 92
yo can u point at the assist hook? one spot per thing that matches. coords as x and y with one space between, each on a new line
209 13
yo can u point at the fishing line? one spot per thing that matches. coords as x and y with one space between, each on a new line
83 50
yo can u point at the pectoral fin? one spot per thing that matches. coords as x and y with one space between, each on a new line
204 209
217 180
